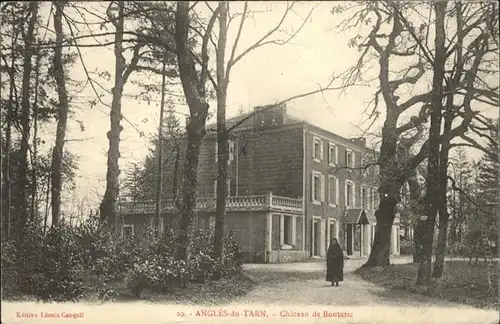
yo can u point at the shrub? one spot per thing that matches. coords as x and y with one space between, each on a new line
9 273
159 270
69 262
406 247
50 266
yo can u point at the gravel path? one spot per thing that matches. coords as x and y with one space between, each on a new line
297 300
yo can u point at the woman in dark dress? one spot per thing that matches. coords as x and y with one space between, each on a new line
334 263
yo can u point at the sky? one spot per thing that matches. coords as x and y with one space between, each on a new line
267 75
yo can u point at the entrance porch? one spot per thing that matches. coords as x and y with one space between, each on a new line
359 233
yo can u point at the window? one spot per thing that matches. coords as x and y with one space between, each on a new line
332 154
332 190
128 231
287 230
228 188
405 193
349 158
317 187
317 149
230 151
332 230
349 194
364 197
374 198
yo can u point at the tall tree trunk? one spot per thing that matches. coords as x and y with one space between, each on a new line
35 142
443 207
62 114
195 132
6 170
107 209
222 136
159 153
195 94
416 203
443 168
433 191
385 214
175 186
47 206
389 191
29 51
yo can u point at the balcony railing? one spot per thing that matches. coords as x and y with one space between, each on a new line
236 203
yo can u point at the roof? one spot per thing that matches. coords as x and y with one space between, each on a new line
248 121
288 119
359 216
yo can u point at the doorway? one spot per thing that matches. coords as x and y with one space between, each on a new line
349 238
316 237
332 231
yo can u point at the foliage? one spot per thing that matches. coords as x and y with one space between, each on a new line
140 179
462 282
159 270
66 263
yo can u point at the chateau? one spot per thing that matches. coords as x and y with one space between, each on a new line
291 187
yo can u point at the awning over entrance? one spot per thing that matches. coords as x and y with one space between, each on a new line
359 216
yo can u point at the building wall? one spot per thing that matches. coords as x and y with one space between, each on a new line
139 222
326 210
267 159
249 229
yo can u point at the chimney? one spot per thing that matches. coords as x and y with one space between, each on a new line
269 115
361 141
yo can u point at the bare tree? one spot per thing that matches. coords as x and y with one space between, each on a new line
393 37
29 40
62 116
223 74
195 91
7 141
159 182
108 206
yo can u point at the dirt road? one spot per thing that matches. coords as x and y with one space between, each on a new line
304 297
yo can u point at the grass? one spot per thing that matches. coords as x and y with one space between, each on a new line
207 294
462 282
210 293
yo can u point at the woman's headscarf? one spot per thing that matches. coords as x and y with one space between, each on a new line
334 249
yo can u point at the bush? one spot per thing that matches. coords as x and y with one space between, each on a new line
71 262
159 270
47 266
406 247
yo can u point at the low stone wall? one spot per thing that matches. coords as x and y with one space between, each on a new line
284 256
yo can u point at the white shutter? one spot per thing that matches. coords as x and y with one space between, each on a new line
215 188
337 189
321 150
322 186
312 186
322 236
336 155
231 151
346 203
354 195
216 150
369 197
